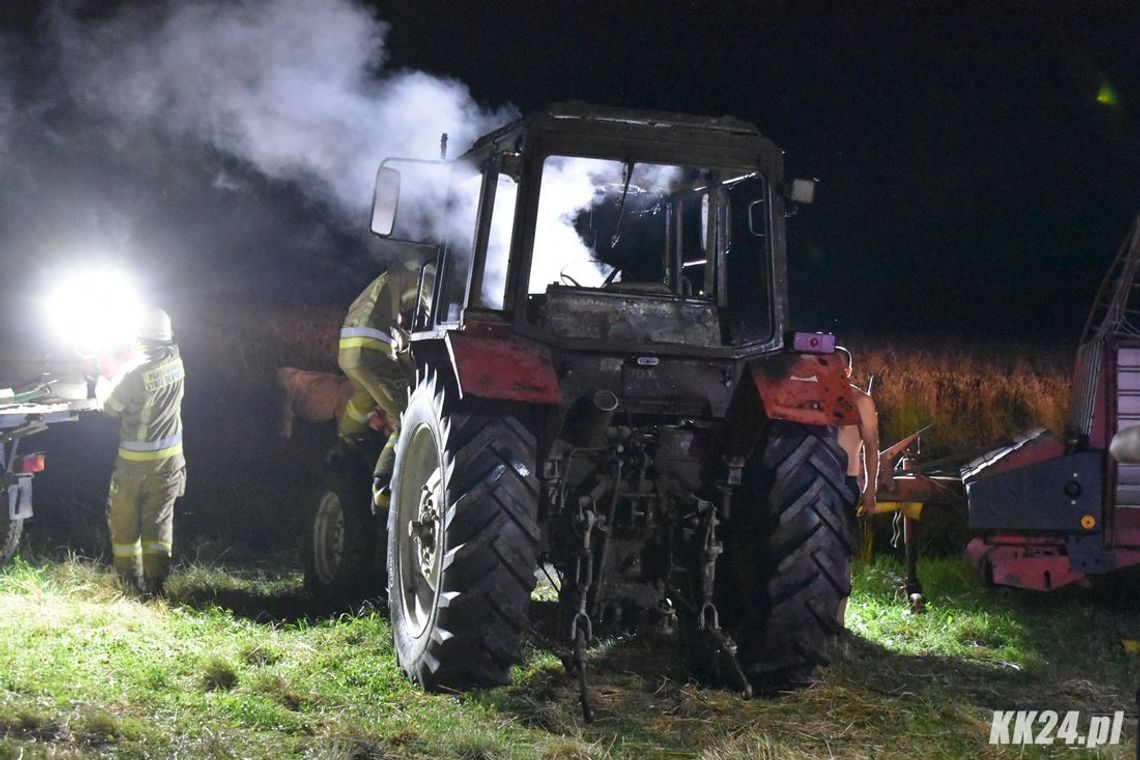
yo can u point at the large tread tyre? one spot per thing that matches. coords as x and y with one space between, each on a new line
10 532
340 539
462 543
789 554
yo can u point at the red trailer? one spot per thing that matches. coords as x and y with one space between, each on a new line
1050 511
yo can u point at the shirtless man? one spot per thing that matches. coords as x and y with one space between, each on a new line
861 442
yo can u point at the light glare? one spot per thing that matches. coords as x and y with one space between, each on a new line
94 310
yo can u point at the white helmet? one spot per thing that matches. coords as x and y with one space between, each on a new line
154 324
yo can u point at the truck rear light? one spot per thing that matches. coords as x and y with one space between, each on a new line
29 464
813 343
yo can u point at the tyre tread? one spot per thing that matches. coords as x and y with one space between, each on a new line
492 532
798 542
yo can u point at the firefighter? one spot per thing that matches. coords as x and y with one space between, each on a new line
371 355
150 471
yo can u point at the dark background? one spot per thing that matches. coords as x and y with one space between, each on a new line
971 180
979 167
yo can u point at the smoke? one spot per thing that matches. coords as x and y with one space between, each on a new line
225 145
572 187
298 88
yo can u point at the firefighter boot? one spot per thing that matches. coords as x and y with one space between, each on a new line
130 584
153 588
382 475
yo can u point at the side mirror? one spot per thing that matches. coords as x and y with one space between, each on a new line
385 200
802 190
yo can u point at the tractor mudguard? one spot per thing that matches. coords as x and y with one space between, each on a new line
806 388
503 368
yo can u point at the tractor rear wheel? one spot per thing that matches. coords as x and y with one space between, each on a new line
789 554
340 534
462 543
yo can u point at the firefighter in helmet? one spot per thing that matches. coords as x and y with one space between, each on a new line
150 471
370 354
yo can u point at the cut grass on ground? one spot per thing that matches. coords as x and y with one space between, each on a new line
240 663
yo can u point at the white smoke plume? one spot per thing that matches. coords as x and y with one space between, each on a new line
301 91
571 186
295 87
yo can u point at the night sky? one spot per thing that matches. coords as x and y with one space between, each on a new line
978 168
971 180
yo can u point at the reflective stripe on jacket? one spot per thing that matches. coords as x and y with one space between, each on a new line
365 337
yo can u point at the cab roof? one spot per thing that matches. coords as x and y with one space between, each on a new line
630 122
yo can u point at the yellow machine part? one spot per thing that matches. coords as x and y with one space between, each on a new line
911 509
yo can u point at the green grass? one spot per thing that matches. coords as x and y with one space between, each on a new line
240 663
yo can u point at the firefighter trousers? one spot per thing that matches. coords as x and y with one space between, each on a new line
377 379
140 515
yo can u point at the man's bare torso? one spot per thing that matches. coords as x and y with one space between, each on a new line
851 437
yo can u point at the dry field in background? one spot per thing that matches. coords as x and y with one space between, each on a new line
974 393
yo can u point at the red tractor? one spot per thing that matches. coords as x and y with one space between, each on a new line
1052 511
606 393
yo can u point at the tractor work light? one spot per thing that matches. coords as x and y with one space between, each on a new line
94 309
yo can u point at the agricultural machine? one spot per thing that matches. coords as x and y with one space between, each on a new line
24 411
1050 510
606 394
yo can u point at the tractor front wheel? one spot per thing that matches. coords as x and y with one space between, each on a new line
340 534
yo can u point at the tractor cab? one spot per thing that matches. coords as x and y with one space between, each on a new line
584 224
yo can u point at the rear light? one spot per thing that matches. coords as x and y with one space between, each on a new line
26 465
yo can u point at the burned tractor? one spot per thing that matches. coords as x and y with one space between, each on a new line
606 393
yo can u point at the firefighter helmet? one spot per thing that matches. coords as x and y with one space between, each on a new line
154 325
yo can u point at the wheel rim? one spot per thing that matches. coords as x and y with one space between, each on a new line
328 537
419 529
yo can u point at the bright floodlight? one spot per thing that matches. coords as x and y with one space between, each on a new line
95 309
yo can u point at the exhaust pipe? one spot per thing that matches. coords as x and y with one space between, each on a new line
585 425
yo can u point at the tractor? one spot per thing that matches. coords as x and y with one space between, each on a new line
607 394
1053 510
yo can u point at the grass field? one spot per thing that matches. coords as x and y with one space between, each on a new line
239 662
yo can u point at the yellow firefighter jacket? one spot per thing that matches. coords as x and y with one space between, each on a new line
371 317
149 401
